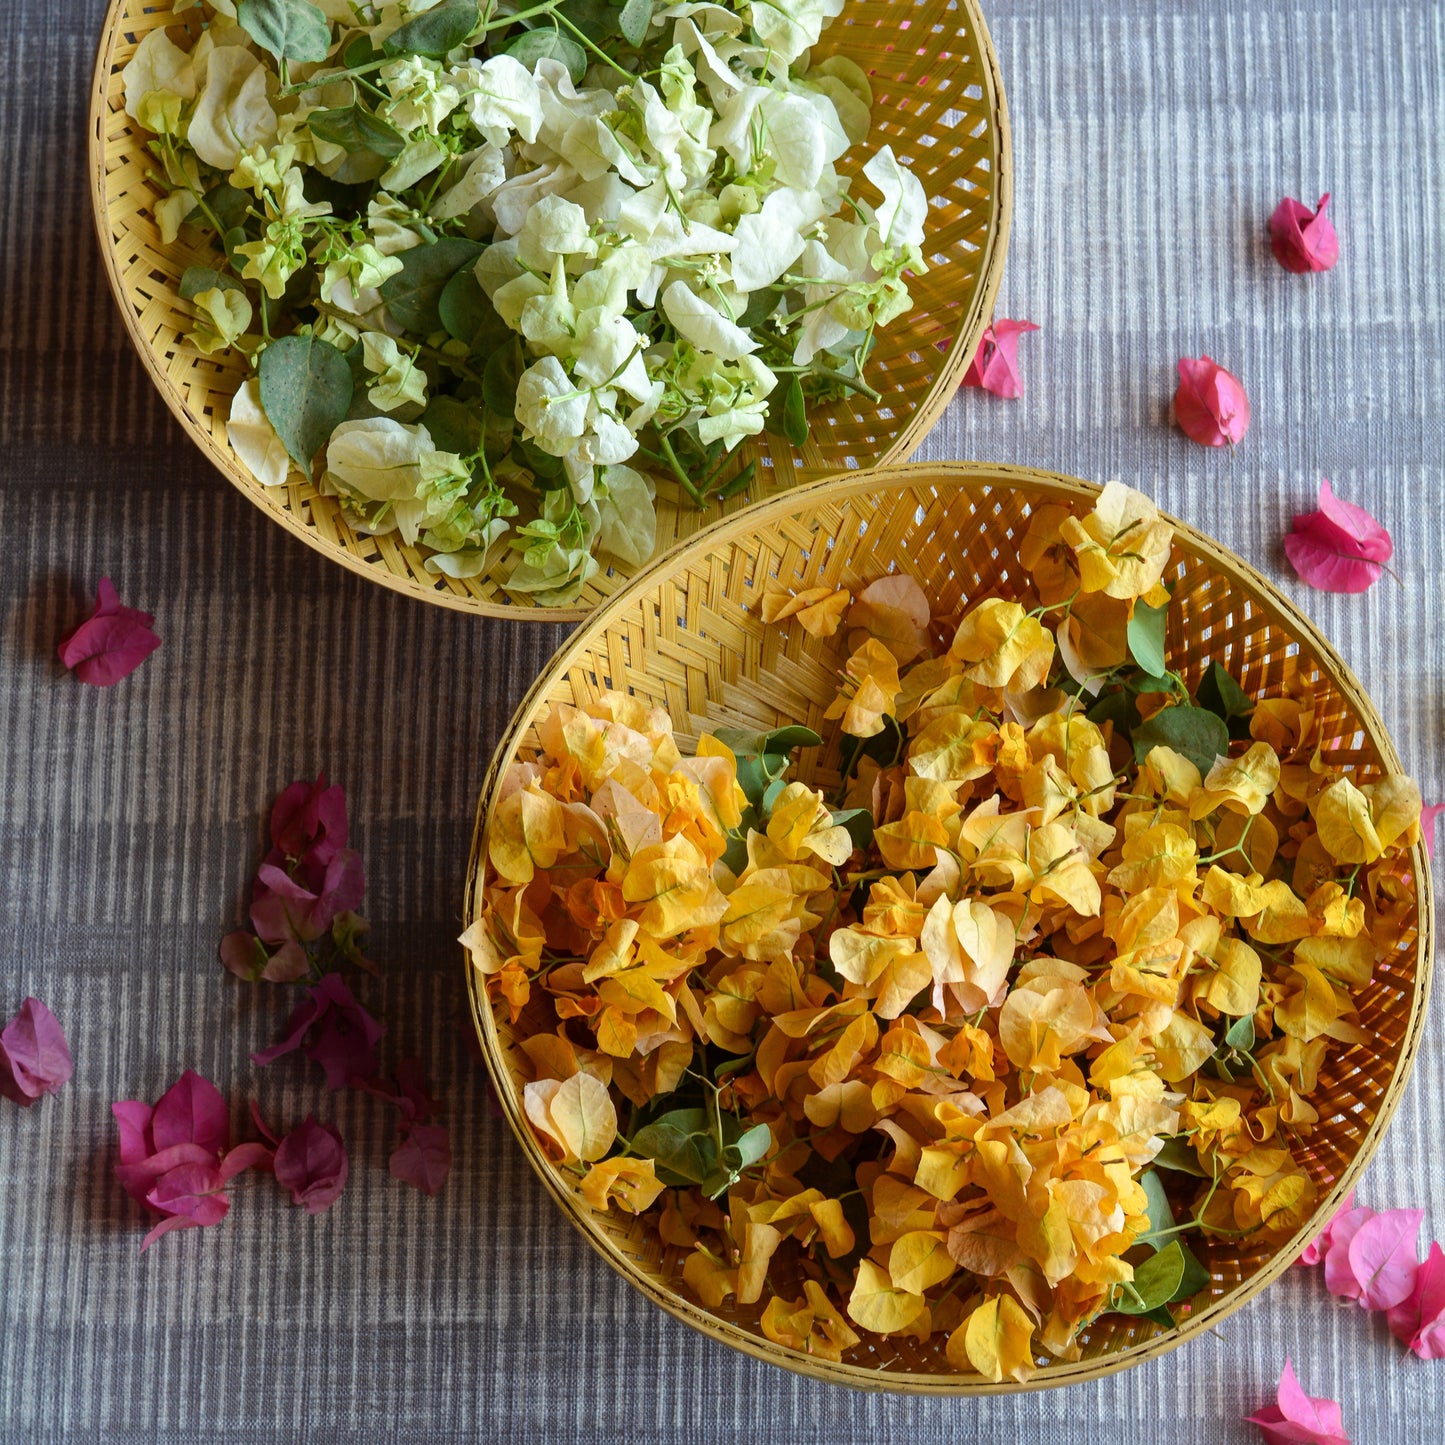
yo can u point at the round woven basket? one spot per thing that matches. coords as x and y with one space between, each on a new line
938 100
687 635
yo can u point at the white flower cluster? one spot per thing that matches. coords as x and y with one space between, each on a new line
670 245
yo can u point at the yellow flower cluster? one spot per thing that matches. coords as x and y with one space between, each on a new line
1056 965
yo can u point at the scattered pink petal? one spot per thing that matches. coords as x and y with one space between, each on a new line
1383 1258
1419 1321
1428 814
284 907
1340 547
262 1127
34 1057
1297 1418
423 1159
311 1162
111 643
1211 405
308 822
1303 240
191 1111
995 365
1339 1273
1314 1252
344 1038
175 1158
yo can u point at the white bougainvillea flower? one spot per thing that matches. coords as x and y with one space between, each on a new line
551 406
379 459
486 169
789 27
254 439
232 110
628 519
158 67
500 97
399 380
701 323
770 240
225 316
904 208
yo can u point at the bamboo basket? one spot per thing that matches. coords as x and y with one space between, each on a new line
687 635
938 100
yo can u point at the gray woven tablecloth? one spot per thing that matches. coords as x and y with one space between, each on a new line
1152 141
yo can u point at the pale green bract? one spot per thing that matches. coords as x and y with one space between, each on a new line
554 281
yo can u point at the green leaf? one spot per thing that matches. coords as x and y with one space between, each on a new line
750 1147
795 414
756 773
201 278
1240 1034
1117 706
468 314
357 129
1196 1277
454 426
435 31
780 740
680 1145
771 794
306 391
228 205
1178 1155
499 379
1161 1216
858 822
596 19
1156 1282
1146 637
289 29
633 22
1161 1316
1220 694
360 52
1199 735
549 44
413 296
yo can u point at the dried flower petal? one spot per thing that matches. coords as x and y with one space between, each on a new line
424 1158
1211 405
1340 547
995 365
345 1037
111 643
34 1057
1303 240
311 1162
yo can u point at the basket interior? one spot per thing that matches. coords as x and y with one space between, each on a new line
937 101
693 641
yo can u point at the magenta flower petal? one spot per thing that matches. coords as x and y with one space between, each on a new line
1383 1258
111 643
1297 1418
311 1162
191 1111
995 365
1303 240
34 1057
1338 548
423 1159
1211 405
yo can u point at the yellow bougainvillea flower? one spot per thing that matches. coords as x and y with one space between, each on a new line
996 1340
1122 547
894 611
819 610
870 690
673 882
631 1184
812 1324
1001 645
574 1115
878 1305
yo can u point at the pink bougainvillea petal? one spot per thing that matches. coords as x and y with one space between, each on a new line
254 1155
308 822
343 1035
191 1111
1383 1259
1315 1251
133 1118
423 1159
1419 1321
1299 1419
995 365
1303 240
195 1190
34 1057
111 643
311 1162
166 1226
1211 405
1428 815
1338 548
1339 1275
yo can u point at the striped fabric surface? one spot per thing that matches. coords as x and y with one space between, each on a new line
1152 141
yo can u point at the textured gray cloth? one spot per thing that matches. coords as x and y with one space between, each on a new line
1152 141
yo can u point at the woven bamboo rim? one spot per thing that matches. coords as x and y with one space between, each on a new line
938 101
687 635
